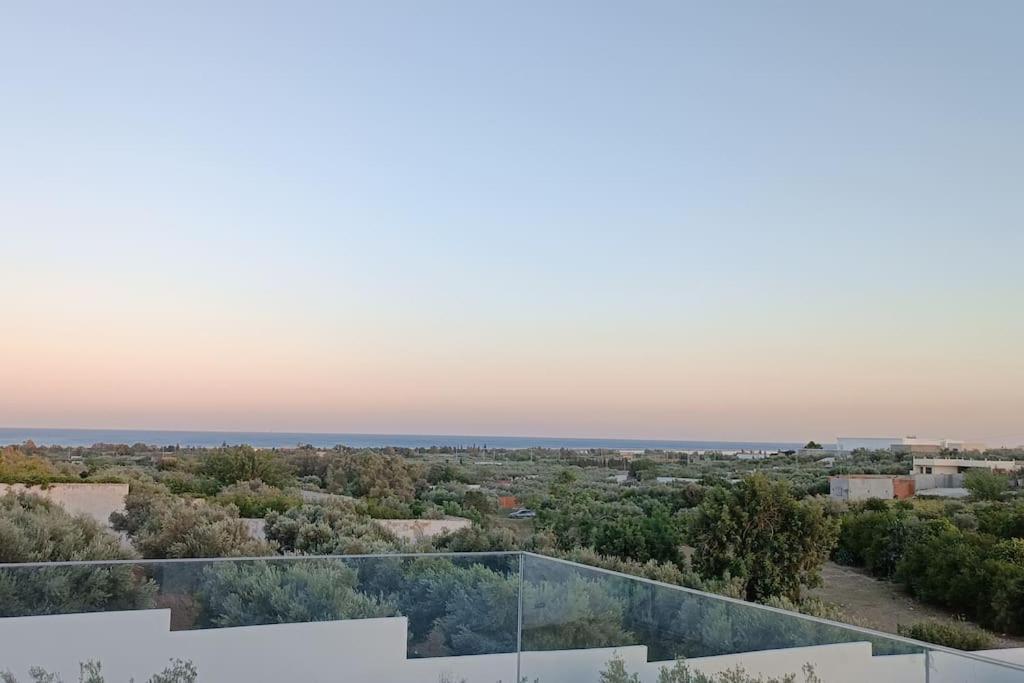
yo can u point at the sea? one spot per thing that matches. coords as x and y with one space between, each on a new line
88 437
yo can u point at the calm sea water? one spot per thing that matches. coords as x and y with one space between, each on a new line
88 437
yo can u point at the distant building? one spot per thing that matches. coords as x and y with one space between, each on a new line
963 465
948 473
855 487
913 444
871 443
906 444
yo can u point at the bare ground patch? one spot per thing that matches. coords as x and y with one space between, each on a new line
881 605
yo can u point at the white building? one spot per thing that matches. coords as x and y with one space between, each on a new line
871 443
963 465
906 444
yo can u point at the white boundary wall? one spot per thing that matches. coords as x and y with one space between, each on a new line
140 643
93 500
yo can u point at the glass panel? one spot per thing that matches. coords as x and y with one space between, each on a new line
427 618
581 622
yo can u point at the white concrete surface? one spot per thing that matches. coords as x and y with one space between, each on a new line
861 487
93 500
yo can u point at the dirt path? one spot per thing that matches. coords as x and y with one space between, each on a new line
881 605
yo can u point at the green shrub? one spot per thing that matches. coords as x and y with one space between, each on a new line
256 499
92 672
161 525
985 484
186 483
680 672
35 530
960 636
330 529
17 467
284 592
245 463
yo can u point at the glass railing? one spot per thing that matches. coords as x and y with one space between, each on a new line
444 618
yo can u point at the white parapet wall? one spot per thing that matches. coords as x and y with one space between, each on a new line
140 643
93 500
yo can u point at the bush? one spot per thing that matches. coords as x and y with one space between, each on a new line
21 468
245 463
283 592
985 484
255 499
960 636
92 672
476 539
369 474
185 483
161 525
333 529
35 530
680 672
875 537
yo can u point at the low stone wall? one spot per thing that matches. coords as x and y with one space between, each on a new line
93 500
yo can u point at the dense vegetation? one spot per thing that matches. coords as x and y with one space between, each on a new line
757 530
967 558
34 530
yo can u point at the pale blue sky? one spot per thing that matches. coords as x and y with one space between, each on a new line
681 187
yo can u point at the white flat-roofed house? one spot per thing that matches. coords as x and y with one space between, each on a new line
964 465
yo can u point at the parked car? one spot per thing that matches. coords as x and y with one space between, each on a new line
522 513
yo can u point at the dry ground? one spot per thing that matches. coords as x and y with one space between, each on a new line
881 605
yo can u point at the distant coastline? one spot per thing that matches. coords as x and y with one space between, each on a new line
88 437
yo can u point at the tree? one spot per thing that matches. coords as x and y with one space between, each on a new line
759 532
369 474
984 484
245 463
643 469
813 445
640 528
17 467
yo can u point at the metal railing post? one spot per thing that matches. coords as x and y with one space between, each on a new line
519 628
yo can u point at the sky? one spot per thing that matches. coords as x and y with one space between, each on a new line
734 220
